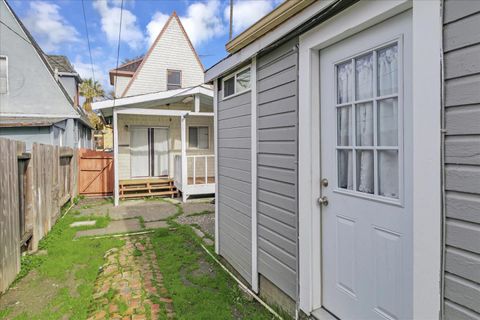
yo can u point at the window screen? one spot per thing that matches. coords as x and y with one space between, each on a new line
174 79
198 137
3 75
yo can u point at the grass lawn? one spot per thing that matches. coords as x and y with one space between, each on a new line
60 283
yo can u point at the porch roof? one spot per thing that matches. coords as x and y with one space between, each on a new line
155 99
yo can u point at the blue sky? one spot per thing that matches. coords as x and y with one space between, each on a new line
59 27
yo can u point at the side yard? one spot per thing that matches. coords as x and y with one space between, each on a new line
160 272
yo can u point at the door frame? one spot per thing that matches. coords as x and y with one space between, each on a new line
426 100
168 144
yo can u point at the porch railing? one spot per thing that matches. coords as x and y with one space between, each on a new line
200 170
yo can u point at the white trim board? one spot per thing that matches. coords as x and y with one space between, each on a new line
215 146
253 128
426 148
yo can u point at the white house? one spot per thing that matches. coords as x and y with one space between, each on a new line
162 120
348 178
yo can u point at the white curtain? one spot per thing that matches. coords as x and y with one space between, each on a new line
344 82
387 70
388 173
160 139
365 138
364 122
139 163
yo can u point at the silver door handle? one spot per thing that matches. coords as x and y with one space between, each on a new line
323 201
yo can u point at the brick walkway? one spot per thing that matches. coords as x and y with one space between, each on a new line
130 285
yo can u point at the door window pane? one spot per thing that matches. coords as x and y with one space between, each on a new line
388 122
344 125
192 137
364 124
364 77
203 137
388 173
345 169
387 70
344 82
365 171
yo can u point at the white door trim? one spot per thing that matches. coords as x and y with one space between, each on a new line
426 205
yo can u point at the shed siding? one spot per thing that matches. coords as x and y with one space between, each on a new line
462 160
277 166
234 179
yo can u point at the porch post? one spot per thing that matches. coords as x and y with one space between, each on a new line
197 103
115 158
183 134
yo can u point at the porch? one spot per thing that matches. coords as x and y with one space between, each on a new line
163 143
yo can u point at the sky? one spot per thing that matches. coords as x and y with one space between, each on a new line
59 27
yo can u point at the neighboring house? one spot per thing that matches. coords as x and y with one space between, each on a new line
34 105
162 120
348 158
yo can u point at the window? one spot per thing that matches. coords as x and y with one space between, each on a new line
367 123
236 83
198 138
174 79
3 75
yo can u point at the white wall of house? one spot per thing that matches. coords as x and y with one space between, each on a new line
171 51
120 85
174 143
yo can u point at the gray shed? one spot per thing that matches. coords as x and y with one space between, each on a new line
347 145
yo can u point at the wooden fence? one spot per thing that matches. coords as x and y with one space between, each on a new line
95 173
33 188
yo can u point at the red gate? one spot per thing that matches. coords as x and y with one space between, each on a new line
95 173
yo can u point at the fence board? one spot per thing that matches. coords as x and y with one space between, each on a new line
48 183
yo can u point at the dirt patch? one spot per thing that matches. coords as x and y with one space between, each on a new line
204 269
32 293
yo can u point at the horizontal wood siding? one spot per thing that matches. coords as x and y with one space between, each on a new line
234 182
462 159
277 167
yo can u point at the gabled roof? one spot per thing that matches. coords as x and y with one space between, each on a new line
61 63
127 69
145 58
43 58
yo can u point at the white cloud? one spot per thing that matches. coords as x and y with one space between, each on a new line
155 26
48 26
202 22
247 12
110 21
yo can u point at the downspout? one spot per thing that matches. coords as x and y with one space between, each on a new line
442 166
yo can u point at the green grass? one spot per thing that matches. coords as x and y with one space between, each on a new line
67 260
199 295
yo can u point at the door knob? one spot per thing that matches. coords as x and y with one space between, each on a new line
323 201
324 182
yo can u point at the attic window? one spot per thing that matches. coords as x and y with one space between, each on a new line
3 75
174 79
237 82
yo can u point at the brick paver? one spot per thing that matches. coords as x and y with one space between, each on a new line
130 285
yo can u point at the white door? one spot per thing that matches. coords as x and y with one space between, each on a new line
139 152
366 225
160 151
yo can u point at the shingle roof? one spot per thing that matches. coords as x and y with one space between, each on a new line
8 122
61 63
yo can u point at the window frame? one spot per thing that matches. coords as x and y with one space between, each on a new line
6 73
400 126
188 137
174 84
234 76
